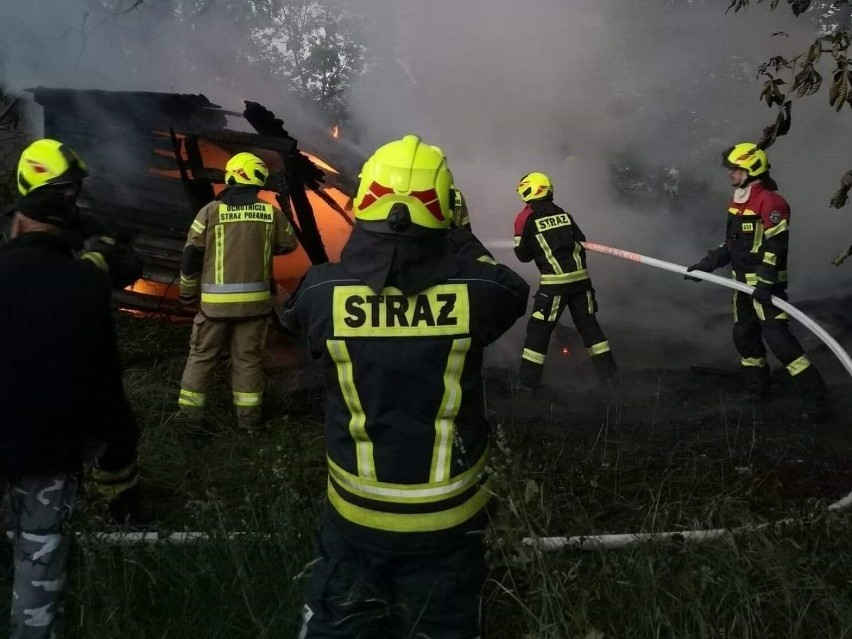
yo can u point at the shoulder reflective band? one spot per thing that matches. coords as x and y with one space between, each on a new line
776 230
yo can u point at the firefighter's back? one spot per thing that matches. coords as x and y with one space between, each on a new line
406 431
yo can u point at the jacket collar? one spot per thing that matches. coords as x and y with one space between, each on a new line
239 195
545 205
744 193
409 264
40 240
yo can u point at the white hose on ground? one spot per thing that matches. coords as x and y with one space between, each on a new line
579 542
131 537
598 542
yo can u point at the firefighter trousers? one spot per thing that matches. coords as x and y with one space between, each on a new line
352 592
755 324
244 339
41 505
547 309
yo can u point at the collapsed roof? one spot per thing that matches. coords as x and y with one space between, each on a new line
156 158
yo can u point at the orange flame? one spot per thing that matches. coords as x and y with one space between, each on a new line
335 131
287 269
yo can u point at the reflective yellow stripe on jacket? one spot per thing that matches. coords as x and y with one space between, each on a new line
449 494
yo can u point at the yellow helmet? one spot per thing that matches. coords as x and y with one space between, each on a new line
410 177
247 169
747 156
48 162
535 186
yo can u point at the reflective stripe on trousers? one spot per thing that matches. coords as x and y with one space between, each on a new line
209 338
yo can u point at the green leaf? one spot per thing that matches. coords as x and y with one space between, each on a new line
834 90
815 52
842 92
816 83
784 119
765 93
799 6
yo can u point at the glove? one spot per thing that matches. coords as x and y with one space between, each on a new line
189 299
112 483
189 289
839 199
763 294
704 266
837 261
119 260
127 508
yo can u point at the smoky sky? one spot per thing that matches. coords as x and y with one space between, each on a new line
571 88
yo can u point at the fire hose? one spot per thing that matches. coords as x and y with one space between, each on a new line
599 542
577 542
785 306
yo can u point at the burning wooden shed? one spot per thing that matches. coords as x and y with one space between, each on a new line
156 158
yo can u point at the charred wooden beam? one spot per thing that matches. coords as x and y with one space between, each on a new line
298 176
188 186
203 187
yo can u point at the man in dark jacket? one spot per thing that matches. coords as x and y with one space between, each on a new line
48 164
756 244
61 394
400 324
546 234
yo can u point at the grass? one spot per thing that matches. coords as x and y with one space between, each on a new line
609 473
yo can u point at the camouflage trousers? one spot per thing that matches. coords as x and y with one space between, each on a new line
41 506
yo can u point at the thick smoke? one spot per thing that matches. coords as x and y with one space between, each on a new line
575 89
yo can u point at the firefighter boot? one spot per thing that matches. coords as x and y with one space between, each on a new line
193 418
529 374
197 433
756 381
250 419
811 388
605 368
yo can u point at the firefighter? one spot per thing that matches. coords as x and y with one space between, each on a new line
400 325
61 395
227 266
460 234
461 216
48 164
550 236
756 244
